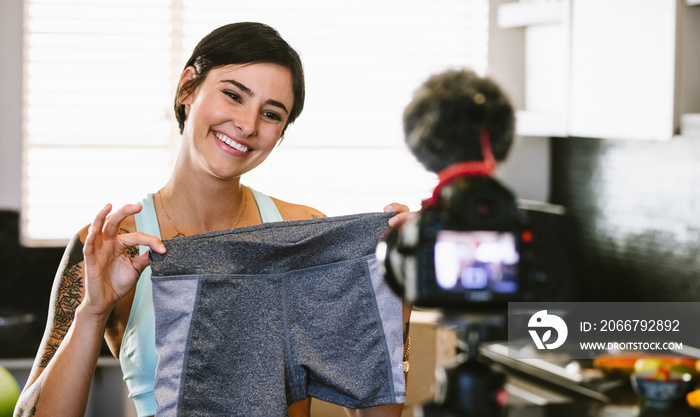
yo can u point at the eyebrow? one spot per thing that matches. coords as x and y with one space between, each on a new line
250 92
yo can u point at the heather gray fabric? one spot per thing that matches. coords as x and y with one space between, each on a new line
250 320
175 300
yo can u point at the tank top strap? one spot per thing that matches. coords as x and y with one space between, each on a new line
267 208
137 354
146 220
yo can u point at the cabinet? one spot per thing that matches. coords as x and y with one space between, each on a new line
617 69
542 31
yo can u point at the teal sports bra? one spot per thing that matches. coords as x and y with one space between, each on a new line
138 352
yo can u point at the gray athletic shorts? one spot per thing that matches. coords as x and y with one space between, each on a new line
251 320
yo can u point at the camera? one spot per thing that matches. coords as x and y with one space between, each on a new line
478 249
473 247
470 251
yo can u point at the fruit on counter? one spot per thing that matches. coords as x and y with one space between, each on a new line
9 393
693 398
666 368
664 380
646 365
612 365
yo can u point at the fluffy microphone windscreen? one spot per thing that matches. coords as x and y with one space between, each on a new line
442 123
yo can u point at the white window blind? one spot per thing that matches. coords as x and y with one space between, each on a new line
99 84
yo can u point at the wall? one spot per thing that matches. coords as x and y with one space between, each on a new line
11 103
637 208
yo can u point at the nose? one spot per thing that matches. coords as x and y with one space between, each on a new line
247 121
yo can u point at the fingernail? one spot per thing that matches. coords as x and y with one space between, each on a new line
388 209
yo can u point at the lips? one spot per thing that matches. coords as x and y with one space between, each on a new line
230 142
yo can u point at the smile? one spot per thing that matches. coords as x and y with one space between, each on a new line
230 142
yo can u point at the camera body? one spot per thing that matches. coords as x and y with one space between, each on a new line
473 249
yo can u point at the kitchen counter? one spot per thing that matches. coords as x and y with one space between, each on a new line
531 399
26 363
542 388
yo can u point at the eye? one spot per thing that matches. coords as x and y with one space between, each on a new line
233 96
272 115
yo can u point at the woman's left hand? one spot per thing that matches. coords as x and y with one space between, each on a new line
402 213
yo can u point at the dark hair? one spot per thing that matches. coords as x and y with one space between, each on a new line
243 43
442 124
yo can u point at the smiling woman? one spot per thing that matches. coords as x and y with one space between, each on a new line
235 97
238 109
362 61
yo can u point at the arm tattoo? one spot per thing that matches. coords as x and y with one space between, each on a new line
131 251
26 406
66 300
69 295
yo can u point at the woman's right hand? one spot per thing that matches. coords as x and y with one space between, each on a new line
110 271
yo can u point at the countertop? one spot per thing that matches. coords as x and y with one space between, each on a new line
21 364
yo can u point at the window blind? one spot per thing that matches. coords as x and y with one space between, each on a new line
100 78
96 124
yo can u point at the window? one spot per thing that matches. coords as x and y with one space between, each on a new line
99 85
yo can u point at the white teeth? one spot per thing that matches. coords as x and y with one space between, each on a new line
227 140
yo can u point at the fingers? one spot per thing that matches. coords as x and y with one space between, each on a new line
397 208
107 226
401 218
95 230
402 213
111 227
140 262
142 239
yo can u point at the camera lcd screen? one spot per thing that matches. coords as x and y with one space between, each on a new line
476 260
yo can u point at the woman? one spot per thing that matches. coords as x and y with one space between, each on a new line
238 93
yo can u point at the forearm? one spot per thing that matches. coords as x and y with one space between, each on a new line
64 385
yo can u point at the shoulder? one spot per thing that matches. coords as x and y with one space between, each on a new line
291 211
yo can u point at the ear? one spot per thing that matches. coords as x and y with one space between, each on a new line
189 74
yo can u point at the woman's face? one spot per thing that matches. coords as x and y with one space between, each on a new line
236 116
